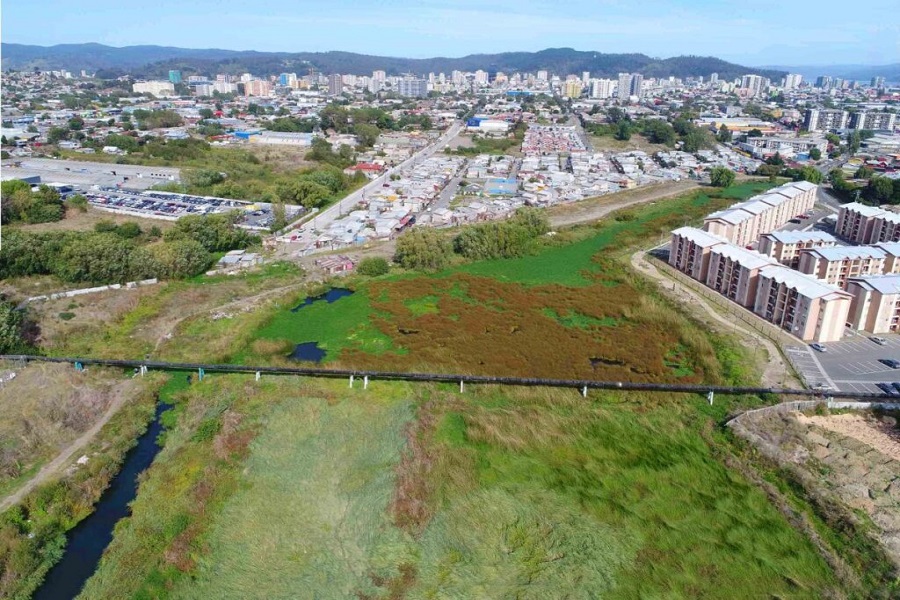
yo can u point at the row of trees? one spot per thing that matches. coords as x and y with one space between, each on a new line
657 131
425 249
115 254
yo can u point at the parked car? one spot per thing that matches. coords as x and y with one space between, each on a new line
819 347
795 221
888 388
896 386
878 340
890 362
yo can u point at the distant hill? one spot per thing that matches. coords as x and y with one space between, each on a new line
155 61
891 73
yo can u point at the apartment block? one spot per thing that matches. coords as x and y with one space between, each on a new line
690 250
875 303
744 222
801 305
873 120
734 272
817 119
785 246
891 257
867 224
837 265
157 88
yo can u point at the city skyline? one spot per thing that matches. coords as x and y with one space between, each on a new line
392 29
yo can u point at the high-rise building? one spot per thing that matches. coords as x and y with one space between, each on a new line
335 85
624 89
542 76
585 77
572 88
792 81
175 76
287 79
637 82
413 87
481 77
714 79
878 82
257 87
602 88
753 84
873 120
823 82
817 119
379 76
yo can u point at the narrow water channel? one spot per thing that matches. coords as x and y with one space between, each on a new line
88 539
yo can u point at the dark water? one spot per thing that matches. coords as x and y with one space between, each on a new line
308 351
88 539
330 296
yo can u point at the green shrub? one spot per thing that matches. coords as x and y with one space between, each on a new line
373 267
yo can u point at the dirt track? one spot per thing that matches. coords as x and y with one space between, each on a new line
597 208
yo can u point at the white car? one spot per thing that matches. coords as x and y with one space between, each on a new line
818 347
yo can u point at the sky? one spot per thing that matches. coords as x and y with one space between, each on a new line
762 32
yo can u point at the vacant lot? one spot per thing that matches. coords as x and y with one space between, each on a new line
45 408
407 491
609 144
81 221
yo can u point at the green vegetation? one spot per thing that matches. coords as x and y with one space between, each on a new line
20 204
490 145
119 253
415 490
502 239
32 534
721 177
423 249
373 266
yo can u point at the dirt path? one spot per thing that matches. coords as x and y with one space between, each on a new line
776 372
121 395
591 210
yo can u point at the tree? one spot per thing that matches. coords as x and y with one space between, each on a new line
171 260
279 216
57 134
366 134
76 124
864 172
216 233
11 323
721 177
659 132
754 133
775 159
373 266
97 258
724 134
810 174
815 154
853 141
623 131
308 194
201 178
206 113
879 190
423 249
833 139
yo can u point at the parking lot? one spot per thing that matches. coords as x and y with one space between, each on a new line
851 365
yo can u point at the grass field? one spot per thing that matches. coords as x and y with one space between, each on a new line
407 491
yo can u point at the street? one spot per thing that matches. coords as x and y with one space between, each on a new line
323 220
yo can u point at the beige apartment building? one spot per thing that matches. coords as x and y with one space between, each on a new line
867 224
690 249
891 257
800 304
785 246
837 265
734 272
744 222
875 303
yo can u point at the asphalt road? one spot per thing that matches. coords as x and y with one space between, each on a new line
851 364
325 218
